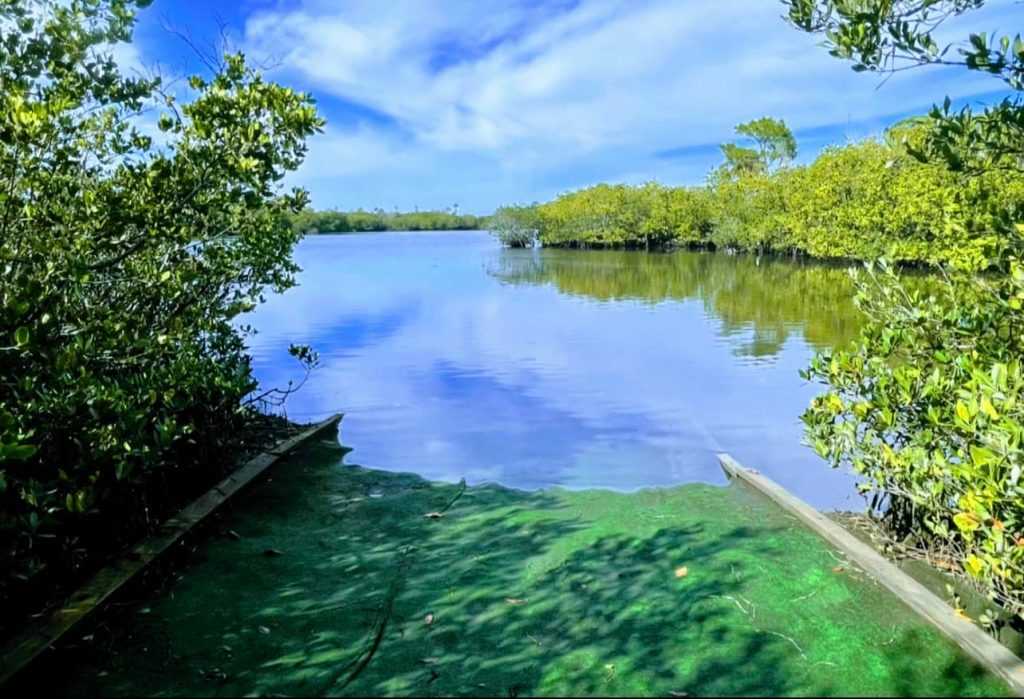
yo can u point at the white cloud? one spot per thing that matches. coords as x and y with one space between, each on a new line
352 152
525 88
128 58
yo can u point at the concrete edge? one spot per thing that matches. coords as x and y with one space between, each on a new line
972 639
40 634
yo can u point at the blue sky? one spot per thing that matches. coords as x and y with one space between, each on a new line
432 103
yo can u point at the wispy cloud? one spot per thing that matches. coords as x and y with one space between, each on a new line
432 102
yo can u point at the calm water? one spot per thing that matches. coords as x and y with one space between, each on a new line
454 358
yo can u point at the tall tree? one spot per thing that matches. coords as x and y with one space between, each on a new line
774 146
775 143
740 160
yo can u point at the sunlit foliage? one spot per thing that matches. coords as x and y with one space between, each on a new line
774 147
927 405
888 35
858 201
623 216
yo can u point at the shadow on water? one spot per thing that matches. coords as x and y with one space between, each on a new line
339 584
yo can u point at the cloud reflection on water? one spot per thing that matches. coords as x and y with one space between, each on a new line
453 358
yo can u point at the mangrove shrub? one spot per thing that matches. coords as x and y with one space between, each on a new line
127 249
927 404
515 226
861 200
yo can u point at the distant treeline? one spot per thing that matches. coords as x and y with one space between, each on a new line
360 221
858 201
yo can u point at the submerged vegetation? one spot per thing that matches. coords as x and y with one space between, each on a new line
513 592
309 221
125 261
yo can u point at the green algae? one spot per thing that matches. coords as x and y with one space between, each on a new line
511 593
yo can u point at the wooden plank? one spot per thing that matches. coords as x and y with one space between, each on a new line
974 641
44 632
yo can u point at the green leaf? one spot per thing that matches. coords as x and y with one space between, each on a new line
18 452
21 336
982 456
966 521
963 412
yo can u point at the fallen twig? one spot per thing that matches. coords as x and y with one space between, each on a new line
795 644
810 594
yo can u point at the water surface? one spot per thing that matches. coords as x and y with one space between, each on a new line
454 358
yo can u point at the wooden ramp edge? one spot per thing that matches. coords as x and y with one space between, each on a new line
40 634
972 639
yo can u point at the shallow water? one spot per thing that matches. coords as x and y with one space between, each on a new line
688 591
454 358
